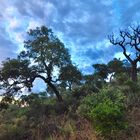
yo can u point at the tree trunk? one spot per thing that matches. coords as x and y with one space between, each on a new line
134 72
59 97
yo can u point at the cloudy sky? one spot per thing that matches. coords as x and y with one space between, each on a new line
83 25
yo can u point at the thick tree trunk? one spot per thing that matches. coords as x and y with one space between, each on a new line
134 72
48 82
59 97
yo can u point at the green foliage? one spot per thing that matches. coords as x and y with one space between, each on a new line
130 89
11 69
12 125
116 66
105 109
93 82
43 47
13 73
70 76
86 89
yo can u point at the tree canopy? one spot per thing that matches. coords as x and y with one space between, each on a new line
44 54
69 76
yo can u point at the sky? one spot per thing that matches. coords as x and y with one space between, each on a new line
82 25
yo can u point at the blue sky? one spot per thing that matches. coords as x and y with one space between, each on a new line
83 26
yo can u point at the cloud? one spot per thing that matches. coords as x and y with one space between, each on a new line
127 11
7 47
75 19
82 25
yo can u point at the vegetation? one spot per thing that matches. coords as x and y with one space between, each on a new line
106 110
102 105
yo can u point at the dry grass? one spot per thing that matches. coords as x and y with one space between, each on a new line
79 129
134 117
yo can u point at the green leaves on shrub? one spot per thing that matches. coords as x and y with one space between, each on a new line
106 110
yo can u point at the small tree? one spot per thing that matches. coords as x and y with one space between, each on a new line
129 41
115 67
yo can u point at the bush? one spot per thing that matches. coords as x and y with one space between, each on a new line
106 110
132 93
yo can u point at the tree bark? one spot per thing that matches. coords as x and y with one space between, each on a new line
59 97
134 72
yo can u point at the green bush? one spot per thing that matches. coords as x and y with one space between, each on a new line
106 110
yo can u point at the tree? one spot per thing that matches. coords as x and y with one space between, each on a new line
69 76
101 70
111 69
95 81
115 67
129 41
45 54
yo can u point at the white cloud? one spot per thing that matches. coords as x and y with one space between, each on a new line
33 24
14 23
120 55
38 86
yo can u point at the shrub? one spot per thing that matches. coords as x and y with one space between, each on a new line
106 110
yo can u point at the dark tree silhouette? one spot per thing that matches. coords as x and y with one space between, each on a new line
129 41
101 70
43 54
70 76
47 53
15 75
